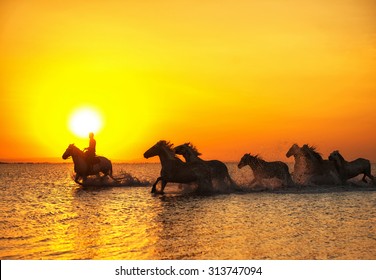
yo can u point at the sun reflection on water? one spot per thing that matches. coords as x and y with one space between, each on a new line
58 220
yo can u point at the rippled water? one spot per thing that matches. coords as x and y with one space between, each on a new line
44 215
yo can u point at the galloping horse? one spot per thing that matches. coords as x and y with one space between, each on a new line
81 168
266 170
348 170
311 168
218 169
176 171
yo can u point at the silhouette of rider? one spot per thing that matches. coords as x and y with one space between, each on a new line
90 151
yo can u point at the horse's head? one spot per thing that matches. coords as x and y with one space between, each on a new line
293 150
244 161
68 152
187 150
332 156
336 156
161 147
181 149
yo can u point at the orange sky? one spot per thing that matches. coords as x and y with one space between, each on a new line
231 76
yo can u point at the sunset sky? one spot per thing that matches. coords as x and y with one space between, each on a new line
230 76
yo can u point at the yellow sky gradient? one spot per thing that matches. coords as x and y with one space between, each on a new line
230 76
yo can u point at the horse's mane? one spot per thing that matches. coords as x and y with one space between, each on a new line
76 149
193 148
168 146
257 157
307 149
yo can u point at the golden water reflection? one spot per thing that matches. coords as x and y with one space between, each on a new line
61 221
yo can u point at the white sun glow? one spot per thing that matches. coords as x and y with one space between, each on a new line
85 120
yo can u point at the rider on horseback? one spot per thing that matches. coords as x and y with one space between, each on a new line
90 152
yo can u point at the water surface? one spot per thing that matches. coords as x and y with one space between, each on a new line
45 215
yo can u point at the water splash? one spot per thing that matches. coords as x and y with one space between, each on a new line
125 179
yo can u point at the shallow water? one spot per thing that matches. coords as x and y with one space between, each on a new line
45 215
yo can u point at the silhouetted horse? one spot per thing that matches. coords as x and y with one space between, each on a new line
103 164
176 171
348 170
218 169
266 170
311 168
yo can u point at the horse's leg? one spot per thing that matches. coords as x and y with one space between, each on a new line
288 180
208 184
368 174
285 181
84 178
335 178
154 188
225 182
109 174
205 184
76 179
224 179
233 185
164 183
101 178
364 178
112 177
202 186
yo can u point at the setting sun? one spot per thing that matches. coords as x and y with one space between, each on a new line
85 120
231 77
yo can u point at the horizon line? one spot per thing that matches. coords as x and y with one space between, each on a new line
57 160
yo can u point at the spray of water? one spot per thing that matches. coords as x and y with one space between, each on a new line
125 179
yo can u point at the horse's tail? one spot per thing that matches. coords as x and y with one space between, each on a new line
233 185
110 173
